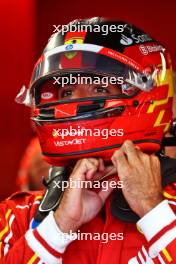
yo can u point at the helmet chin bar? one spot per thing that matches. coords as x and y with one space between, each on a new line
84 108
47 116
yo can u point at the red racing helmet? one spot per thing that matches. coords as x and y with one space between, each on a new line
96 126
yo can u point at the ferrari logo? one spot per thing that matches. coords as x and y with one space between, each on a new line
73 40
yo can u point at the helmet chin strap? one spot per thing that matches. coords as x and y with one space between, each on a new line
119 206
53 193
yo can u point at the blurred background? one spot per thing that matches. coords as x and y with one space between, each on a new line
25 27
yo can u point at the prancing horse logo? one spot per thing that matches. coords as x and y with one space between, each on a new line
74 40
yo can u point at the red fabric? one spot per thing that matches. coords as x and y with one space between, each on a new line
86 251
162 232
51 250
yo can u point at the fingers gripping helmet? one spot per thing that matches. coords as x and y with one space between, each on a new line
142 109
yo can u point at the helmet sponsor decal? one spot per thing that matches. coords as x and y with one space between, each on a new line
125 40
69 47
47 95
73 39
146 49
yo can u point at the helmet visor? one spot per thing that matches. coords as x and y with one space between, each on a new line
56 72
